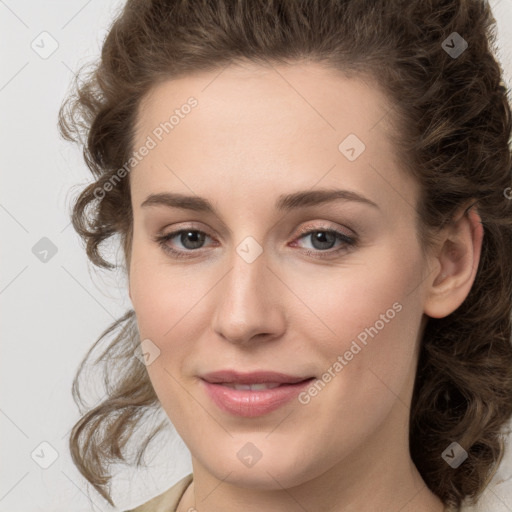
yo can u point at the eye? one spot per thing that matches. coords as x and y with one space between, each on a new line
323 239
191 239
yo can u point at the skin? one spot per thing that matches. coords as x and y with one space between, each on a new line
259 132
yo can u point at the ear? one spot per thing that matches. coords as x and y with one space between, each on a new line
457 258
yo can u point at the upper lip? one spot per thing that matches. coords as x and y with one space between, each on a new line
260 377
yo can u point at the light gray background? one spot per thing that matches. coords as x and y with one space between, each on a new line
53 311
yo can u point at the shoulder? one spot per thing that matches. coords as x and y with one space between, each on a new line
166 501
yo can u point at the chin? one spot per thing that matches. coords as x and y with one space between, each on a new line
271 472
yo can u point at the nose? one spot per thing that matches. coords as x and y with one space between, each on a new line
249 305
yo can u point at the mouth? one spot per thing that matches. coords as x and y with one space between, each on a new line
232 377
252 394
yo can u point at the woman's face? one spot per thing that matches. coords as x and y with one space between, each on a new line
270 277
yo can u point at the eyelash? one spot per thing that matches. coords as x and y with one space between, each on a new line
348 242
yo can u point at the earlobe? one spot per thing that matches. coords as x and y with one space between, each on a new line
458 260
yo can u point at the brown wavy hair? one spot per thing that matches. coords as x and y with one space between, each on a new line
453 122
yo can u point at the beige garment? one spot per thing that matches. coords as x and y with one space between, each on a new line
168 500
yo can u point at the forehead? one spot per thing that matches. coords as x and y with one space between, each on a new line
263 126
249 97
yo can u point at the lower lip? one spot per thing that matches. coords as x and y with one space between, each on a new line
249 403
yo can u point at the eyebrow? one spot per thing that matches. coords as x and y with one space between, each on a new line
285 202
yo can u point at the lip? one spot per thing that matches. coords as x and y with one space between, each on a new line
249 403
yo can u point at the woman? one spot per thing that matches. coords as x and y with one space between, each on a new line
311 197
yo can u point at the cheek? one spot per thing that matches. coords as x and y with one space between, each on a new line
167 309
170 303
160 293
347 300
369 314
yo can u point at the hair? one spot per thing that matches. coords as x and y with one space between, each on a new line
453 127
